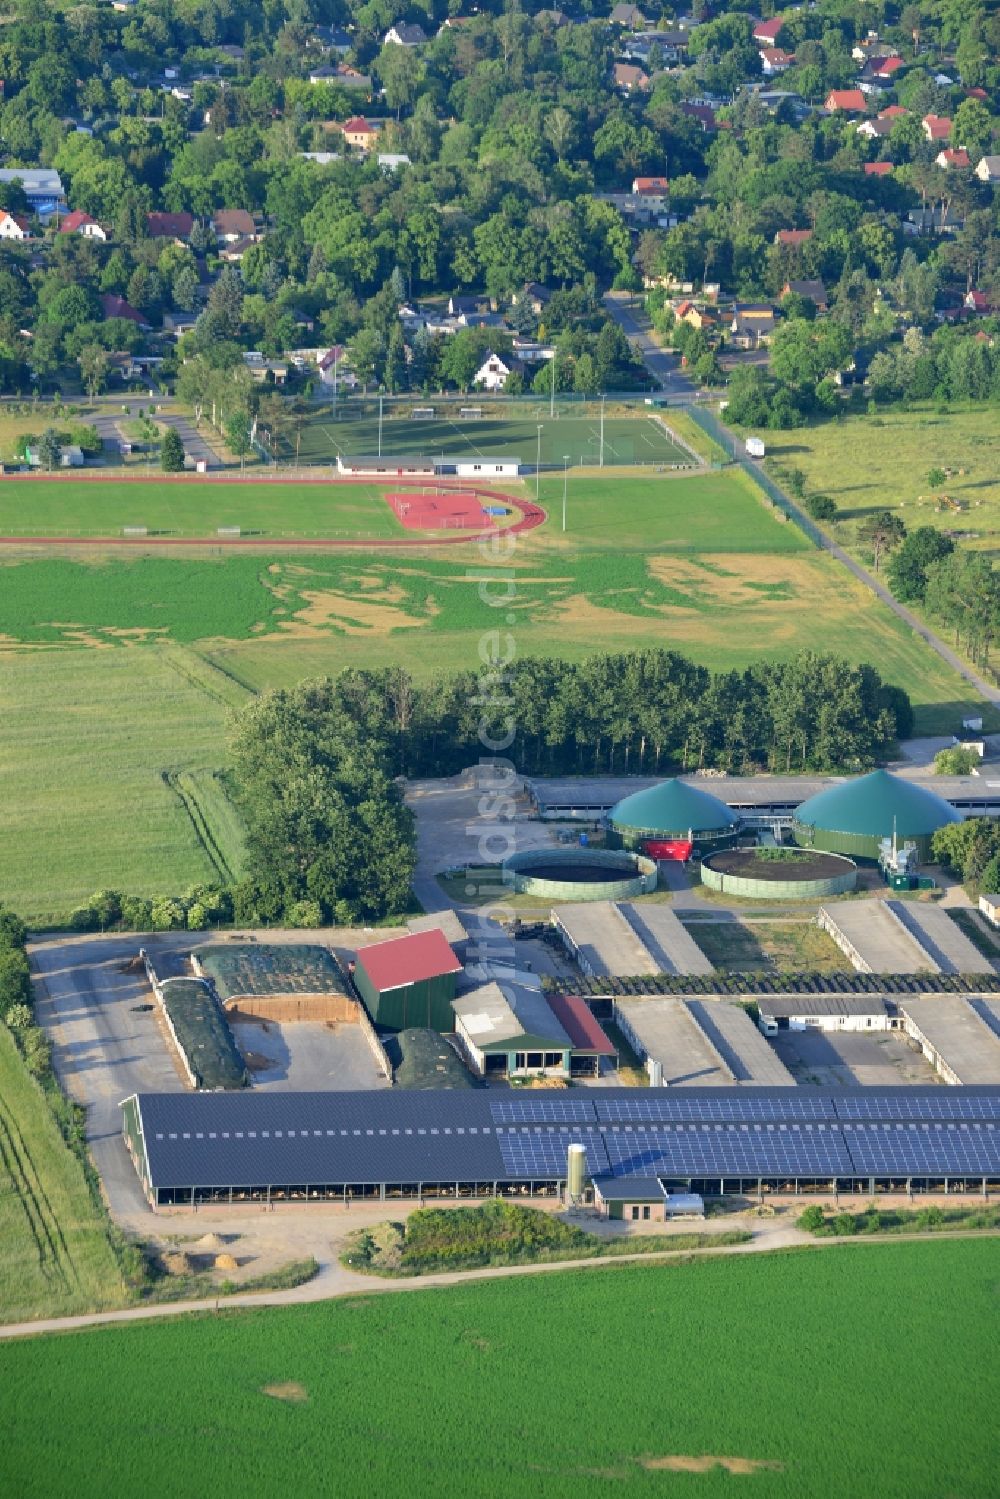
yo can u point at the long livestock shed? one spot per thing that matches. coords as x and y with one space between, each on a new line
666 938
603 943
823 1012
760 800
338 1147
700 1042
958 1034
943 941
874 939
280 982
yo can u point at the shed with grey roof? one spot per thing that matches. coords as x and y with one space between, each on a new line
872 936
955 1036
698 1043
941 938
823 1012
666 938
511 1031
603 943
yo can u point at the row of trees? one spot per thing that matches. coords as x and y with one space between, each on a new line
16 999
971 850
637 713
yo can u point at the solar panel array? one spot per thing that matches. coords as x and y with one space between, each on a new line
537 1156
752 1150
538 1109
944 1103
674 1107
923 1149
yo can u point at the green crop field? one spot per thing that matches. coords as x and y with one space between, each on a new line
55 1258
627 439
88 743
194 507
865 1370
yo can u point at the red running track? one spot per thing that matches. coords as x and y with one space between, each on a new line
532 516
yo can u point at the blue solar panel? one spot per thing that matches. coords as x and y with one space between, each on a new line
727 1150
678 1107
529 1110
924 1149
528 1155
942 1103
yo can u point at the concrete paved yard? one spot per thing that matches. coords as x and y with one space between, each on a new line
851 1059
307 1055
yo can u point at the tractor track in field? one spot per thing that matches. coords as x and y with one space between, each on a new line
532 516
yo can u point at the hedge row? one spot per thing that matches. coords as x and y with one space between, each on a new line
759 984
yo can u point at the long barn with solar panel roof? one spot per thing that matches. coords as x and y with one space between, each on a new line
386 1146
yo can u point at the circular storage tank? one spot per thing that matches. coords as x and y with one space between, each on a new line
580 874
779 874
853 818
674 810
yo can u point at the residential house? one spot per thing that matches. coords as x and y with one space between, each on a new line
176 226
813 289
774 60
792 239
113 306
845 101
672 46
274 371
337 39
359 133
494 372
335 370
468 304
321 158
325 74
179 323
629 16
875 129
936 127
348 77
232 251
978 302
703 113
695 317
14 226
404 35
529 351
79 222
42 187
650 192
886 68
630 79
391 161
931 221
988 169
752 325
232 224
892 112
534 295
766 32
878 168
953 157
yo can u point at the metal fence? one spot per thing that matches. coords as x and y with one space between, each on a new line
727 440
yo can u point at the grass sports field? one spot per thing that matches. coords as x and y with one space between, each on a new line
55 1258
88 507
627 439
633 1380
117 668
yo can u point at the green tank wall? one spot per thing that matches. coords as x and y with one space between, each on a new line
618 886
750 889
854 845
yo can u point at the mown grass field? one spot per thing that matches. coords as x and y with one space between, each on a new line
865 1370
193 507
88 739
873 463
55 1258
627 439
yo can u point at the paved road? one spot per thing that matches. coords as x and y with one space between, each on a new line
663 366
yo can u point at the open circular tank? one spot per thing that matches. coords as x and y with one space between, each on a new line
779 873
580 874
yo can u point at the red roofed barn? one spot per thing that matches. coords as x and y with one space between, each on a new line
409 981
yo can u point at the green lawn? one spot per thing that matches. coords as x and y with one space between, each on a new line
55 1257
86 741
870 463
865 1370
192 507
627 439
